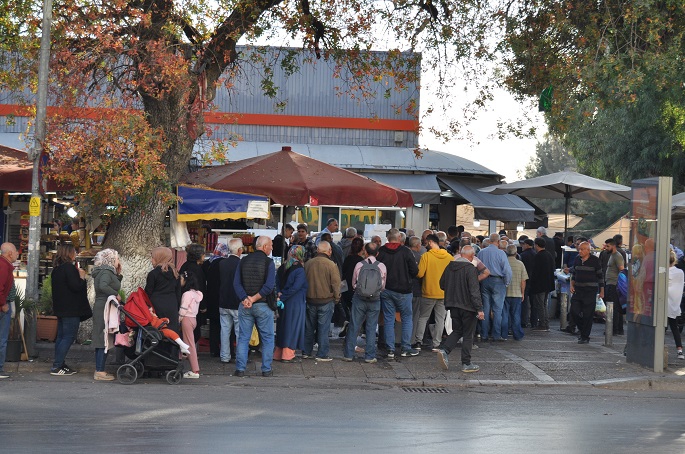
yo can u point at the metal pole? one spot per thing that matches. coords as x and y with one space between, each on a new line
563 302
609 325
567 197
34 154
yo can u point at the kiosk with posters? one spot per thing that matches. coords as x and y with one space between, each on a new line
650 233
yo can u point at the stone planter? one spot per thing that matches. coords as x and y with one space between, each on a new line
46 328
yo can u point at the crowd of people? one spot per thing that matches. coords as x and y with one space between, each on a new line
445 289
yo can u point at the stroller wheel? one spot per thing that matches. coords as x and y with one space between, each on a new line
140 368
174 376
127 374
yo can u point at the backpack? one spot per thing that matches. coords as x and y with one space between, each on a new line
622 289
369 282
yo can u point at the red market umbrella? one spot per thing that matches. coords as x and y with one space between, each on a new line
292 179
16 172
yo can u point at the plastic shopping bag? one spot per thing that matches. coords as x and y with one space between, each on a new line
254 338
600 306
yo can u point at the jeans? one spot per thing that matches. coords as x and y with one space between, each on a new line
392 302
318 321
493 292
259 314
100 359
229 320
512 317
67 328
429 305
5 320
361 310
463 326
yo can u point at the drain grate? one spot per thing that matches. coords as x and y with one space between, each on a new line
427 390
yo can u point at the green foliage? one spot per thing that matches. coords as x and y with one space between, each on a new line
617 71
45 300
551 156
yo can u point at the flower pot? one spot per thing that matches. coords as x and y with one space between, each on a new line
46 328
13 352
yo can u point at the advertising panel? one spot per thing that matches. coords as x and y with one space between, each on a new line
643 256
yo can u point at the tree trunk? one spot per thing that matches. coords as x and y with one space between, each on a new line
133 235
141 228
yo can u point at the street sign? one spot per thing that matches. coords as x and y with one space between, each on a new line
34 206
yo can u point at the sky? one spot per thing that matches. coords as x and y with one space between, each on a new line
507 157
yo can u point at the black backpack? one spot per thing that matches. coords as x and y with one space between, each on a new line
369 281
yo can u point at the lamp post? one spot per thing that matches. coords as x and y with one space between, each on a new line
35 156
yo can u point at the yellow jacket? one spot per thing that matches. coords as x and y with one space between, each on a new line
431 267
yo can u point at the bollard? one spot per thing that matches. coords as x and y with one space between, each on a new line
563 315
609 324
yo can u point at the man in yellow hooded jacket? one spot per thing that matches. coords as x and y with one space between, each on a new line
431 267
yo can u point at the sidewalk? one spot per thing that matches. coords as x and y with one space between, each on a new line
540 359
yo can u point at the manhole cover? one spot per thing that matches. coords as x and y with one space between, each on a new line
427 390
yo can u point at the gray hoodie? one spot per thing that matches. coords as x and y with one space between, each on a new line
345 244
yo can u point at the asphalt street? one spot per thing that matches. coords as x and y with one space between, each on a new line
76 414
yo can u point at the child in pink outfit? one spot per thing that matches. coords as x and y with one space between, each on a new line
190 303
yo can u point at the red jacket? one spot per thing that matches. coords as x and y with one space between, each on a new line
138 307
6 279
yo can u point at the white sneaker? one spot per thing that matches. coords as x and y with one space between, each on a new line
191 374
680 355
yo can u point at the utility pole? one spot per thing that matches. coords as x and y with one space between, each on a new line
35 156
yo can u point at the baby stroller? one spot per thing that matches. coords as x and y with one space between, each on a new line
151 351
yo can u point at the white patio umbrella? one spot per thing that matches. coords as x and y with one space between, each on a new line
564 185
678 207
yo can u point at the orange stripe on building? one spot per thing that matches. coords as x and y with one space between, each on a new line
311 121
243 119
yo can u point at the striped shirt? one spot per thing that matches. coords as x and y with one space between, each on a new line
587 274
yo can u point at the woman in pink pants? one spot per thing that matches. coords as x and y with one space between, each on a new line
190 303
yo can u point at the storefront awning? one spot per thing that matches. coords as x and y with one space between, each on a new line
423 187
199 203
489 206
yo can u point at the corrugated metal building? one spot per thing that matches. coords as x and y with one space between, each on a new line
318 112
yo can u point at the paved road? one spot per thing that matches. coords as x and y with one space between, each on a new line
75 414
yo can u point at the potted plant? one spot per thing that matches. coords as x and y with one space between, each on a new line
46 323
14 343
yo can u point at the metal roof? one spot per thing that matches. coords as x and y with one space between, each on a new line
313 90
423 187
500 207
364 157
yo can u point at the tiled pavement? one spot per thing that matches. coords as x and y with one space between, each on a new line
540 359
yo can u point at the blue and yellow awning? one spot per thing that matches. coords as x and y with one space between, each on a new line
199 203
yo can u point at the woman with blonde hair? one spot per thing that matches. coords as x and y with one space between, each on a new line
163 286
107 280
676 281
